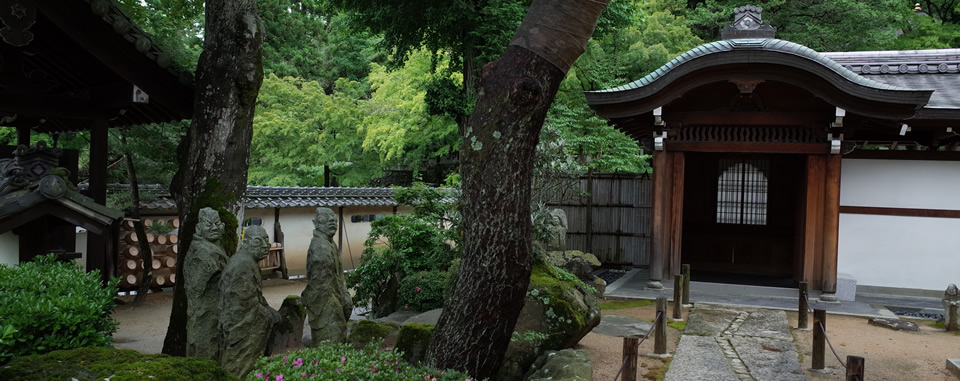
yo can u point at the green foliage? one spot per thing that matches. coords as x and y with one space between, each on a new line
624 304
52 305
342 361
89 364
399 125
424 291
161 227
175 25
565 276
305 40
298 129
404 245
677 325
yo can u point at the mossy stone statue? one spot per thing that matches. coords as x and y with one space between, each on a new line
203 267
246 320
326 298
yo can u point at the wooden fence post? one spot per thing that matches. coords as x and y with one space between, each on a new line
802 310
678 296
630 358
854 368
660 338
685 269
819 337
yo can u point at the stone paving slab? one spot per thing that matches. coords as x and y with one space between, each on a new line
771 324
619 326
953 365
768 360
699 358
709 321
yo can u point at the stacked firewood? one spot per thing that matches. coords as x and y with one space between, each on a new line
164 247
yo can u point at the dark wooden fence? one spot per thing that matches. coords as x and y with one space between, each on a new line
610 216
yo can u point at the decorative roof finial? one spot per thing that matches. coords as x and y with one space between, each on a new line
748 23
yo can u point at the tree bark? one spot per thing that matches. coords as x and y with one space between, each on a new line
498 154
215 153
146 255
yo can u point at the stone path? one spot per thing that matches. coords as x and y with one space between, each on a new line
721 343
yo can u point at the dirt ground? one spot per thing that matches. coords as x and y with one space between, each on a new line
889 355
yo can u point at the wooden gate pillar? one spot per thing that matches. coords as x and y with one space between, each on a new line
661 174
831 223
667 214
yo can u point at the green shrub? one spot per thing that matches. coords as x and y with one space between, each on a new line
111 364
53 305
404 245
424 291
344 362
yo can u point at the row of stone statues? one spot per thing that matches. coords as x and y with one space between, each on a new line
228 319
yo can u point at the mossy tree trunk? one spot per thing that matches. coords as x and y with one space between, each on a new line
497 156
215 153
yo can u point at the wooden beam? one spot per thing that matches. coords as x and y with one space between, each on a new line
831 223
660 176
792 148
51 106
98 38
900 212
753 118
676 211
813 219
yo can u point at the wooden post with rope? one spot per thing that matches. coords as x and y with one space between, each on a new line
802 310
685 269
854 368
630 358
678 297
660 339
819 338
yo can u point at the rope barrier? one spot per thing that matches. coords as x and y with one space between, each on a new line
624 363
824 330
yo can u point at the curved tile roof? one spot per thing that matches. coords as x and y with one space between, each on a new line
758 50
157 196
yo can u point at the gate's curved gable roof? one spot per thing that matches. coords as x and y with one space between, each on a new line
786 56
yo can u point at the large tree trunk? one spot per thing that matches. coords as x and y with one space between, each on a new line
497 156
215 153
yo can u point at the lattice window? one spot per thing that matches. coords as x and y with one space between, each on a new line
742 192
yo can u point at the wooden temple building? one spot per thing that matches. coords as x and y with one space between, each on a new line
68 66
774 161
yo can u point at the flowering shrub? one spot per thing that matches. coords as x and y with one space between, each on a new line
47 305
344 362
424 291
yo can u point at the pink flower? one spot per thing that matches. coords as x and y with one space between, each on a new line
426 378
260 375
418 288
279 377
297 363
304 374
343 360
406 306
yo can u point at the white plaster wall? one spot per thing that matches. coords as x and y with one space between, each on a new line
916 184
903 252
9 249
896 251
297 225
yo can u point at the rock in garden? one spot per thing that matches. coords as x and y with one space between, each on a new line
555 316
287 333
563 365
414 340
951 308
203 267
326 298
895 324
246 319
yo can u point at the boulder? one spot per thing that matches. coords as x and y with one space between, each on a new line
895 324
366 331
563 365
555 316
577 263
287 333
414 340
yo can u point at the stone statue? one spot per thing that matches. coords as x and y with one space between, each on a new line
201 274
246 319
951 308
558 227
328 304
